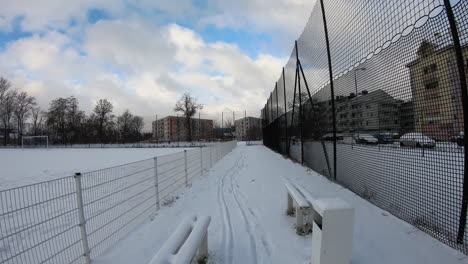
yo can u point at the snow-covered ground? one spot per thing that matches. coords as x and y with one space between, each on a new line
245 196
19 167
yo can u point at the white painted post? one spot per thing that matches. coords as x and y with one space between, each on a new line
185 166
332 238
156 182
201 161
82 224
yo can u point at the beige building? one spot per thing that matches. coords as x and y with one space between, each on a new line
248 128
436 91
172 128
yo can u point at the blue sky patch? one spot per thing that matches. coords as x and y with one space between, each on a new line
94 15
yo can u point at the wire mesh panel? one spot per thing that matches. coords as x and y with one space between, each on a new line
39 224
51 222
115 200
374 101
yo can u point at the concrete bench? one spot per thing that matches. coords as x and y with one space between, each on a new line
332 235
190 237
331 221
296 201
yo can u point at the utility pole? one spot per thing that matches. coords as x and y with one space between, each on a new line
234 121
245 126
199 128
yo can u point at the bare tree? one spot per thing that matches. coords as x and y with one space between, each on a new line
4 86
229 124
64 118
188 106
137 125
103 111
37 120
7 109
124 123
23 106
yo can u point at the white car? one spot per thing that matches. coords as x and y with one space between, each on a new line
417 140
363 138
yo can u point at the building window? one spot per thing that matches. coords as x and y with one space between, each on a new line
431 68
432 85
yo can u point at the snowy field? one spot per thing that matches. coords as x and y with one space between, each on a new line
245 196
26 166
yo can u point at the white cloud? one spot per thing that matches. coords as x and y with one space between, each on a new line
57 14
139 67
284 18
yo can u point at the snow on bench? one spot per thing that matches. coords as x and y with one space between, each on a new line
191 236
302 206
332 221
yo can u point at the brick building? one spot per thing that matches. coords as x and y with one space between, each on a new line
173 128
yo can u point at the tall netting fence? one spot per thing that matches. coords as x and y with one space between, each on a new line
76 218
374 97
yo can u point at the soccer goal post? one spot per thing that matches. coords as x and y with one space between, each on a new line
35 142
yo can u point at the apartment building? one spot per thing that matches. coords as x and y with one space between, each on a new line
173 128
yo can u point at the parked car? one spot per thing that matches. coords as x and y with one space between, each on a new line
417 140
329 137
385 139
362 138
460 139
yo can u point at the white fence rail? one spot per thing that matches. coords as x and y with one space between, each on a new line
74 219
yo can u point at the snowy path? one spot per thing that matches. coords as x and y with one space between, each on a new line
245 197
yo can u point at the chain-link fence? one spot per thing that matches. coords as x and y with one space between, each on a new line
74 219
374 96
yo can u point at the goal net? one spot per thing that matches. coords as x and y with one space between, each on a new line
35 142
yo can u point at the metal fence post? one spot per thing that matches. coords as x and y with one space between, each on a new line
332 89
285 115
185 167
82 224
301 114
464 101
201 161
156 182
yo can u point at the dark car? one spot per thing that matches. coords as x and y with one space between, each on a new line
329 137
460 140
384 139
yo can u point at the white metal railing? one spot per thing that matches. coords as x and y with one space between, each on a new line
74 219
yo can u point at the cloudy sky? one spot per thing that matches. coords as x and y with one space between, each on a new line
143 54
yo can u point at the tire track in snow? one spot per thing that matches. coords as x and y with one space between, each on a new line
227 232
250 230
254 223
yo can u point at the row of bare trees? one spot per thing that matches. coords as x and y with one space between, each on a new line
64 122
15 109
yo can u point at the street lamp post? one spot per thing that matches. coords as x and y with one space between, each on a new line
355 84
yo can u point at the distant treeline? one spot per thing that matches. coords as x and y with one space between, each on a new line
63 121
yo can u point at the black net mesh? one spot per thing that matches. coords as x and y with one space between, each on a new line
394 130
